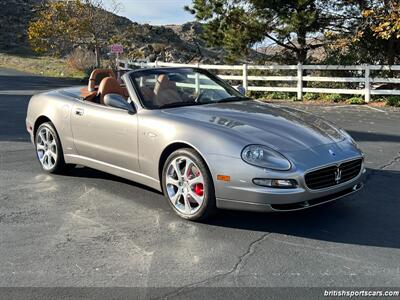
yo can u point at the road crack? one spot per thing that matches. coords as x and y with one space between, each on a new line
394 160
242 260
382 167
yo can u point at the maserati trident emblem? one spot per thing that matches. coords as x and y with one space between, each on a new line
331 152
338 175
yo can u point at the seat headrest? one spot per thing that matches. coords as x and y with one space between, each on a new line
165 91
97 76
164 83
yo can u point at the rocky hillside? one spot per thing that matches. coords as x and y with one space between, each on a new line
15 16
178 43
14 19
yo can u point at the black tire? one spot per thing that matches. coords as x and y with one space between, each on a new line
208 207
59 165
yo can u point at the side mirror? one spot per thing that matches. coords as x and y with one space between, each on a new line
240 89
117 101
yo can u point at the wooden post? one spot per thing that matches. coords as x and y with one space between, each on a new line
299 81
245 82
367 83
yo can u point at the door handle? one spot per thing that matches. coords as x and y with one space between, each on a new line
79 112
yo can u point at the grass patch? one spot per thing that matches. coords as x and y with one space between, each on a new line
333 98
390 100
278 96
355 100
39 65
311 96
324 97
393 101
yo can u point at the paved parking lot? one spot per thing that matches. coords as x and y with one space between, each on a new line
92 229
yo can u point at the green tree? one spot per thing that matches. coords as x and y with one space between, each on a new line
296 25
381 27
62 25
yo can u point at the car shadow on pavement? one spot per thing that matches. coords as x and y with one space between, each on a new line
86 172
374 137
370 217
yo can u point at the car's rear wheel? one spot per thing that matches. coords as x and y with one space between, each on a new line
48 149
188 185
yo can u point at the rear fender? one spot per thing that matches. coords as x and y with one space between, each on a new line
57 108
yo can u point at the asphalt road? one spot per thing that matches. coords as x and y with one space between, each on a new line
93 229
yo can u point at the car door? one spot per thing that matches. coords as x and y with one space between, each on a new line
105 134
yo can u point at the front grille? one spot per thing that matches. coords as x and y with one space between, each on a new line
333 175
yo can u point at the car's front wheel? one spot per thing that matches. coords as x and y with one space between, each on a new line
188 185
48 149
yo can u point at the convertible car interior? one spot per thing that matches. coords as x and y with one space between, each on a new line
101 83
104 81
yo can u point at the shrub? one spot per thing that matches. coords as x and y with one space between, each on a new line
355 100
333 97
393 101
311 96
136 54
278 96
81 60
158 47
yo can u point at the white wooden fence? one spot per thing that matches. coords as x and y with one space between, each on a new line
364 78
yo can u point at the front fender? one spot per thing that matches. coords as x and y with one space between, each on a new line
156 133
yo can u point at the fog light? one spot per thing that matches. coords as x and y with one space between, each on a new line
276 183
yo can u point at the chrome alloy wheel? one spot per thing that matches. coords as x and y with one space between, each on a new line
46 148
185 185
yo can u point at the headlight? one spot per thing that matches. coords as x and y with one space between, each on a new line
262 156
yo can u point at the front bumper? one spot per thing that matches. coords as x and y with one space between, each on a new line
299 205
242 194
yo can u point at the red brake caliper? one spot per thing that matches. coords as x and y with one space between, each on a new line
198 188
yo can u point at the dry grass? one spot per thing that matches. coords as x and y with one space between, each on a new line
40 65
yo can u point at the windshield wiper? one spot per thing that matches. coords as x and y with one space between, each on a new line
232 99
178 104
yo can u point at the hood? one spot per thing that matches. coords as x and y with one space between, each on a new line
281 128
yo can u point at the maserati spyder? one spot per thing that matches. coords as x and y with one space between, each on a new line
190 135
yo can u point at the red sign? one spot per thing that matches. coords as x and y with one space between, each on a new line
117 49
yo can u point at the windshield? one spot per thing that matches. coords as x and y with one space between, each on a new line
164 88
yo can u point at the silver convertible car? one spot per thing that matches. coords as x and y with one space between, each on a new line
187 133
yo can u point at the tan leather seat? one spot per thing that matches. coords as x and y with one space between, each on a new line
97 76
110 85
165 91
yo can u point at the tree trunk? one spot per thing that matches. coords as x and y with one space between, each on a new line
390 56
302 51
391 52
97 53
301 54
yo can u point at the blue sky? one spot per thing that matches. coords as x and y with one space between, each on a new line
156 12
